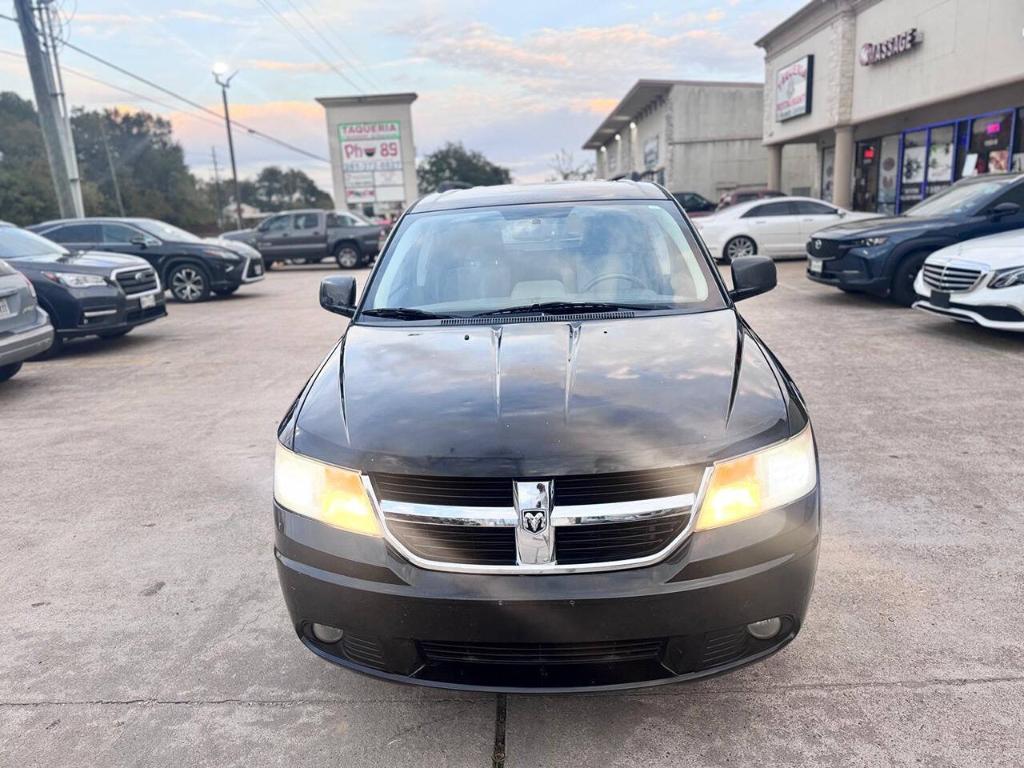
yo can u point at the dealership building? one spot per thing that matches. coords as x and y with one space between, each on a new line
373 155
898 98
692 136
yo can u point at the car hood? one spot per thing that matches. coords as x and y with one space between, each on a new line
994 251
88 262
883 226
544 398
235 246
244 235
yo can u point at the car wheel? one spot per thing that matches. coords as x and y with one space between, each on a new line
738 247
347 256
903 281
189 283
225 291
116 334
7 371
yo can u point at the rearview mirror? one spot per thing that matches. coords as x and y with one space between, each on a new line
751 275
338 295
1004 209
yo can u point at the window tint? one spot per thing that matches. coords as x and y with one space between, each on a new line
278 223
486 259
20 243
807 208
119 234
307 221
75 233
770 209
1015 195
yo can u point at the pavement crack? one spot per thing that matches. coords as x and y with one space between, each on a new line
500 718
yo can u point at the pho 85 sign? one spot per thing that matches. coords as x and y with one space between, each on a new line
371 160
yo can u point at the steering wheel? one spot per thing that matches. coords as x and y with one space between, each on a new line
615 276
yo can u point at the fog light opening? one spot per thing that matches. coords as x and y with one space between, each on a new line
326 634
765 629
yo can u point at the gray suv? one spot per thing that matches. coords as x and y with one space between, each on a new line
25 329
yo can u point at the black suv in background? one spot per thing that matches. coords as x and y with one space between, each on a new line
883 256
190 267
312 235
85 294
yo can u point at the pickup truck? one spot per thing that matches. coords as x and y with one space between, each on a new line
313 235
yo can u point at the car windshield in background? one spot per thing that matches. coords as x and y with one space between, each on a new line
584 256
167 231
19 244
963 198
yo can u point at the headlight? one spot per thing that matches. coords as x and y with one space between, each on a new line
758 482
75 280
1008 278
870 242
329 494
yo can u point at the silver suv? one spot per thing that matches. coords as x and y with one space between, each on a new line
25 329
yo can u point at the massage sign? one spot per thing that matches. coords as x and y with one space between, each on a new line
897 45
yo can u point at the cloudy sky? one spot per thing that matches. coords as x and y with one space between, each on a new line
516 80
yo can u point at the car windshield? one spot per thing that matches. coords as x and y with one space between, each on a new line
166 231
587 255
19 244
961 198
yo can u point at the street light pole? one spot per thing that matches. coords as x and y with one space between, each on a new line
225 83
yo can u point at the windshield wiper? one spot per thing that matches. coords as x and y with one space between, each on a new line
568 307
403 313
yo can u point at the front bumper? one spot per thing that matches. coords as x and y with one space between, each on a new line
253 270
682 618
113 312
1001 309
854 269
23 344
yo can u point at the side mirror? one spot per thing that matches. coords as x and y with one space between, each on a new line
338 295
752 275
139 240
1003 209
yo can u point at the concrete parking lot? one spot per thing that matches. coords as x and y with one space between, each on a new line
142 623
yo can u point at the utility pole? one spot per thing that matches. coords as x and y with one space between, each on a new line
110 162
219 70
56 78
216 189
53 137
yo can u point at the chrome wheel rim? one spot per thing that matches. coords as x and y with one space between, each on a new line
347 257
187 284
741 246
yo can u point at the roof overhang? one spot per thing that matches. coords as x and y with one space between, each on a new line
370 98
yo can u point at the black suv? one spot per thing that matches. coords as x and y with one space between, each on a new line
85 293
883 256
548 453
190 267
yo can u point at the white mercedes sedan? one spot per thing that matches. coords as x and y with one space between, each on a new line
778 227
977 281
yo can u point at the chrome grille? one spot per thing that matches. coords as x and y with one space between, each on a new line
475 525
134 281
951 278
597 652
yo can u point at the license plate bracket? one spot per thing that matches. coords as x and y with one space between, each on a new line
5 309
147 302
816 266
940 298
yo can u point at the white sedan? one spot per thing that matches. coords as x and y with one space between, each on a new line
778 227
977 281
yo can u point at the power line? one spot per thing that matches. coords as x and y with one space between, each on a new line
330 45
301 37
186 100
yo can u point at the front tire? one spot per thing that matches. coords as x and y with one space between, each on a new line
347 256
189 283
8 371
738 247
903 281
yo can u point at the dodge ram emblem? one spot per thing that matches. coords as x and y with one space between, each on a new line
535 522
535 543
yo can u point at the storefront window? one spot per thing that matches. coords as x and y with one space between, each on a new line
989 149
828 171
912 176
888 174
1018 156
941 152
865 176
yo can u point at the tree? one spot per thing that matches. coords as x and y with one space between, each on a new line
454 163
275 189
26 192
566 168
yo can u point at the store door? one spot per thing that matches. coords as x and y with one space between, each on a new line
865 176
